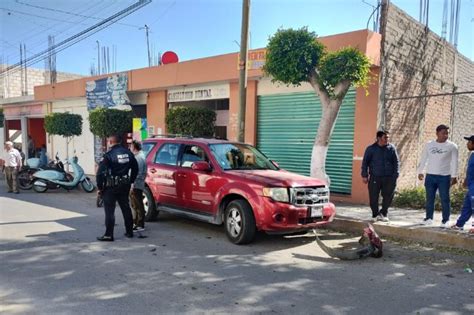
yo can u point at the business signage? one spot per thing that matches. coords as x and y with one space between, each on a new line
198 93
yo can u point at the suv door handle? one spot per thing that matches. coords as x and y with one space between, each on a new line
153 170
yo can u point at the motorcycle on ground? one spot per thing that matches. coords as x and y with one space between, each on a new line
54 179
25 176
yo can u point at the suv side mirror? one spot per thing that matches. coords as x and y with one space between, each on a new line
201 166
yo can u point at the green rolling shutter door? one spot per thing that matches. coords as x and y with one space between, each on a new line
287 125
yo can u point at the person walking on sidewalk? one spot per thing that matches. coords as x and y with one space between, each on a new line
136 194
12 167
468 205
440 158
117 171
380 170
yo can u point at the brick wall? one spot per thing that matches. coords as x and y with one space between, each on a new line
415 61
11 86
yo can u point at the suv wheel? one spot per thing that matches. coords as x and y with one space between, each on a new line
150 206
239 222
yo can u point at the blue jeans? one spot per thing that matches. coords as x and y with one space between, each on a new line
442 184
467 207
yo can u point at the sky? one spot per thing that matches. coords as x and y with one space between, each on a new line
191 28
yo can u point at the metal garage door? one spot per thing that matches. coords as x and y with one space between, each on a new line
287 125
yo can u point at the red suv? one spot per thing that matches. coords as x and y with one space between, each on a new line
234 184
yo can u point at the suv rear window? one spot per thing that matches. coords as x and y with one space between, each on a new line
167 154
146 147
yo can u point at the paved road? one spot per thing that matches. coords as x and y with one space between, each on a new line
50 264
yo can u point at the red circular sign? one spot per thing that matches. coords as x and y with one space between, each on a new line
169 57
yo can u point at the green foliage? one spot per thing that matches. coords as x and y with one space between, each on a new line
347 64
105 122
63 124
292 55
415 198
2 118
193 121
295 56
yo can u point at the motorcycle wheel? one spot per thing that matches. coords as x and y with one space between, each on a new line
40 188
25 179
87 185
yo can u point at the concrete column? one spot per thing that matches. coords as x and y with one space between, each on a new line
156 109
24 136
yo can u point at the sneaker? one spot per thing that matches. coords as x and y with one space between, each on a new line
128 235
105 238
457 228
374 219
427 221
444 225
383 218
138 229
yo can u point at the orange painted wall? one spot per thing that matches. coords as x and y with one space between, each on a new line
156 110
199 71
250 113
365 128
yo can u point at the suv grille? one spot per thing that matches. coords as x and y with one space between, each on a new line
309 196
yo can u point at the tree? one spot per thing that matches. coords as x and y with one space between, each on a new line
105 122
64 124
295 56
193 121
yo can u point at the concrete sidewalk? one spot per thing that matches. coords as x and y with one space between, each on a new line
404 224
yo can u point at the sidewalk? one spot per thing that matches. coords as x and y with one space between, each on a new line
404 224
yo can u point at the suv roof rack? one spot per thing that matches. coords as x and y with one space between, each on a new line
183 136
171 136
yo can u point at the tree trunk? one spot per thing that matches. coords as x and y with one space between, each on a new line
330 110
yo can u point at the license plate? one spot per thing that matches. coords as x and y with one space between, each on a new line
316 212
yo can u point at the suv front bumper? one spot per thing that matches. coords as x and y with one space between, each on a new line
286 218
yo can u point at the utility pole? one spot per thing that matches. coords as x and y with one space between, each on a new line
243 69
98 57
147 43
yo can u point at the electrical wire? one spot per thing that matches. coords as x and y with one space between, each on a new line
80 36
69 13
41 33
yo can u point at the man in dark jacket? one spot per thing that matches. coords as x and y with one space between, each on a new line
380 169
117 171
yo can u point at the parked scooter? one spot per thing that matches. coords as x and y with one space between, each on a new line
25 176
53 179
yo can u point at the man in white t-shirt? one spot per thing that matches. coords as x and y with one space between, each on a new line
440 159
12 166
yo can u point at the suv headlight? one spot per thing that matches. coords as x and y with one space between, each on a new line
277 194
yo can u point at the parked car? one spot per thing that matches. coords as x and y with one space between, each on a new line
234 184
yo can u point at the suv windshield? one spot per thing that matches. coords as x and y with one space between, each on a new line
236 156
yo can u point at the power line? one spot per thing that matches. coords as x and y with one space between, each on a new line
36 15
69 13
97 3
82 35
428 95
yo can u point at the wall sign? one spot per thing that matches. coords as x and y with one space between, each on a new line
198 93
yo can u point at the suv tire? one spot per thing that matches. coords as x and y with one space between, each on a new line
151 213
239 222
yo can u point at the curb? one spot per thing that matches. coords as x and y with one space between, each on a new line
418 234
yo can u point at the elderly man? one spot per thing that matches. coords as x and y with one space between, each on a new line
12 166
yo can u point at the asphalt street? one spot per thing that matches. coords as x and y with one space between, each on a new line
51 264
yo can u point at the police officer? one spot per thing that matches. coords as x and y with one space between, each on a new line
117 171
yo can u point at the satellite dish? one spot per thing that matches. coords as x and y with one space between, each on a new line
169 57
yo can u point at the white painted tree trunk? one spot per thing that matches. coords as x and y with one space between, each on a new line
330 110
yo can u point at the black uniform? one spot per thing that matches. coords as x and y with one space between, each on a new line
114 180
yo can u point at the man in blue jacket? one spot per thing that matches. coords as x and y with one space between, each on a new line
380 170
468 205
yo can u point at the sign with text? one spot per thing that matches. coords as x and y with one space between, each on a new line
255 59
108 92
198 93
